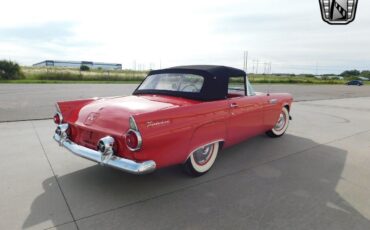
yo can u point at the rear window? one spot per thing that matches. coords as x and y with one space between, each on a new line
173 82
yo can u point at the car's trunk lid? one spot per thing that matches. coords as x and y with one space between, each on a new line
110 116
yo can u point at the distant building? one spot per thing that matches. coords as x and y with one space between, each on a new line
325 77
78 64
363 78
335 77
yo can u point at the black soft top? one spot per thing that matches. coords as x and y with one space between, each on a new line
215 84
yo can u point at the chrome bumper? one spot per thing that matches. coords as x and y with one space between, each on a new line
123 164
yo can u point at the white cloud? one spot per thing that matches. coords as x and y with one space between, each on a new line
288 33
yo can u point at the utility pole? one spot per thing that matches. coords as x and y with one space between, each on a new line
245 63
270 69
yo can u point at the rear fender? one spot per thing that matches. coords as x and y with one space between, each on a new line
206 134
70 109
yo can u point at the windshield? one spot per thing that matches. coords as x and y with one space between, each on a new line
173 82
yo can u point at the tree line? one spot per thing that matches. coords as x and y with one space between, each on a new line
355 72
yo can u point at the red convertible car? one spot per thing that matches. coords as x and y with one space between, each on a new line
181 115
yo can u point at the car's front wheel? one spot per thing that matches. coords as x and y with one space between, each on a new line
281 125
201 160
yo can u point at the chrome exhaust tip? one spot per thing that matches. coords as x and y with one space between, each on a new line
105 147
62 132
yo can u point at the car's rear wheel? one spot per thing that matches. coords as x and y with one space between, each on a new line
201 160
281 125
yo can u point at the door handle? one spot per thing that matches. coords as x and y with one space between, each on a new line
234 105
273 101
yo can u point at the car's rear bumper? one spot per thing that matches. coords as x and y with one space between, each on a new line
123 164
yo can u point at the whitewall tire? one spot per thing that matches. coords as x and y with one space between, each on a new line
281 125
201 160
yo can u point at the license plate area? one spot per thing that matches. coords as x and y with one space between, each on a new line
89 138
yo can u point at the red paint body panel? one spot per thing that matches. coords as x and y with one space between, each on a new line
171 127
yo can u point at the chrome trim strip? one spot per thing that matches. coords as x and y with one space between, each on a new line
123 164
57 107
132 119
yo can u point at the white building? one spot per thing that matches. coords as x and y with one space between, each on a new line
363 78
78 64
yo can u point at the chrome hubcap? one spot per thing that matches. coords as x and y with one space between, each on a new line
281 122
202 155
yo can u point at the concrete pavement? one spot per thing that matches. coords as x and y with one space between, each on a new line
314 177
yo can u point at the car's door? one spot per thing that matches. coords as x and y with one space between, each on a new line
246 114
271 110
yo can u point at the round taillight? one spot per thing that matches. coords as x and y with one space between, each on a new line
133 140
58 119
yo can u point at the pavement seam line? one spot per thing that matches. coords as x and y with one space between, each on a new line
31 119
55 176
355 184
217 178
59 225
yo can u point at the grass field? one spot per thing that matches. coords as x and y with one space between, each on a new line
66 75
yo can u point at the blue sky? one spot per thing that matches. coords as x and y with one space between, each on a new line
288 33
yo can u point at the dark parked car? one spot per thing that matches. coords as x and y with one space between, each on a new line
355 82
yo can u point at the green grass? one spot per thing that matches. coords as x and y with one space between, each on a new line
278 79
296 80
68 75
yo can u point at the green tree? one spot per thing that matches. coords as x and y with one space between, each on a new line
349 73
307 75
84 68
10 70
365 73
